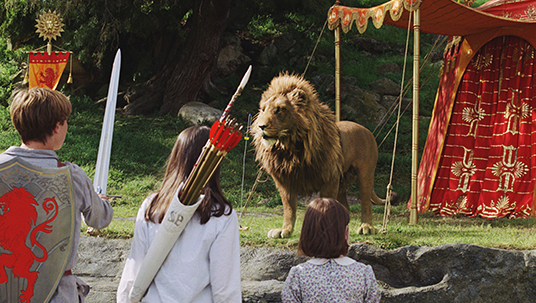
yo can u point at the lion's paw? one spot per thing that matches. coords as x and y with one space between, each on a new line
278 233
367 229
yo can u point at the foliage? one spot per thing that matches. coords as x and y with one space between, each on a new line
9 69
141 144
432 230
140 149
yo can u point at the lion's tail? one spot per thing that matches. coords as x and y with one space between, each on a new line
49 205
377 200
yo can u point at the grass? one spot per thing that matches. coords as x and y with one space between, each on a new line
140 149
141 146
432 230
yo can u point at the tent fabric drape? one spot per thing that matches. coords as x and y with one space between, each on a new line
46 70
488 162
437 131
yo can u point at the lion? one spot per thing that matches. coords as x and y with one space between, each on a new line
299 144
17 217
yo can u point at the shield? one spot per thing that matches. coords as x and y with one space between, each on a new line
36 229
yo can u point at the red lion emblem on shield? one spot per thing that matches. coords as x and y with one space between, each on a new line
18 215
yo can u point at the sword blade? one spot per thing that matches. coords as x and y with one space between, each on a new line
100 179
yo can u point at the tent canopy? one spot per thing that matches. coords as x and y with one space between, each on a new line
444 17
481 82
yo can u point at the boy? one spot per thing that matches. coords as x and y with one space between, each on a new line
40 117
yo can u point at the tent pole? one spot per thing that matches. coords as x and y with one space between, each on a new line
413 217
337 33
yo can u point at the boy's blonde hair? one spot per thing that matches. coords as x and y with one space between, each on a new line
35 113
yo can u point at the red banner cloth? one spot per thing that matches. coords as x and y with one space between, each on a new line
45 69
488 163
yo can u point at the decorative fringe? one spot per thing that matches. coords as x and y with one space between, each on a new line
70 79
26 76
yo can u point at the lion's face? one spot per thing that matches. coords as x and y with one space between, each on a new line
279 116
274 120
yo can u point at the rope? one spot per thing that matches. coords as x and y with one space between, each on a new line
387 209
249 199
314 49
246 139
391 110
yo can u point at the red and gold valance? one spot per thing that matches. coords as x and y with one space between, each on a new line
345 15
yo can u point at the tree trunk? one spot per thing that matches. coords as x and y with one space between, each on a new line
198 56
188 64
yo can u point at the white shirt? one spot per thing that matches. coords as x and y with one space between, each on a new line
202 266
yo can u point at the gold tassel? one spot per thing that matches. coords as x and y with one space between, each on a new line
27 73
70 79
26 77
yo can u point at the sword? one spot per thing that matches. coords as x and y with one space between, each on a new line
105 146
224 135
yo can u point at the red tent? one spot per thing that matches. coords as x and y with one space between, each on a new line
480 154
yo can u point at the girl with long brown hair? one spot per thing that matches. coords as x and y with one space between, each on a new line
204 264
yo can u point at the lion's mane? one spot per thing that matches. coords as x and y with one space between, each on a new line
16 205
307 151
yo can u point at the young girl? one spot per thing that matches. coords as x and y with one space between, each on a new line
329 276
204 264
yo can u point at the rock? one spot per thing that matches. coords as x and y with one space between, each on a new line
197 112
387 68
385 86
267 53
262 264
387 101
284 43
100 264
262 292
447 273
231 56
370 45
361 106
451 273
357 104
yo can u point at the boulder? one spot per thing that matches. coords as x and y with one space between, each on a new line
451 273
197 112
385 86
231 56
447 273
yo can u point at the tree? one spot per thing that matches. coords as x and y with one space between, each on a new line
169 47
186 70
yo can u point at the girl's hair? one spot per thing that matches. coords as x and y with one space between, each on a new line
36 112
323 233
184 155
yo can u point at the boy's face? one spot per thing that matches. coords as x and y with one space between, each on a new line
60 134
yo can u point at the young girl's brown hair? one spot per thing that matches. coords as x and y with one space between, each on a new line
180 163
324 230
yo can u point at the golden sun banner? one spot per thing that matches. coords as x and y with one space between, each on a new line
45 69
